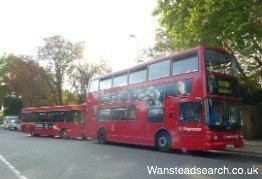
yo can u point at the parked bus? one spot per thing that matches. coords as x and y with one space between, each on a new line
188 100
65 121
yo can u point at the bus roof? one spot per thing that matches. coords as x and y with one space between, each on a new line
145 64
54 108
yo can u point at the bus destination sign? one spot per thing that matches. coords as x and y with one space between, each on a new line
221 86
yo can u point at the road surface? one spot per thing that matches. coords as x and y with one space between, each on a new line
25 157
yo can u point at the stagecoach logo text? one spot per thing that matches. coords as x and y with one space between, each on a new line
231 136
189 129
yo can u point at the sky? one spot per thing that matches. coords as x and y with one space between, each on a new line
105 26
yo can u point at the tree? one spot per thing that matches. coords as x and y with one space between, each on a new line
12 105
233 24
70 97
163 45
60 54
29 82
5 100
82 73
5 63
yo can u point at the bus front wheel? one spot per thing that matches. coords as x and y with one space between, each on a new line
163 141
101 136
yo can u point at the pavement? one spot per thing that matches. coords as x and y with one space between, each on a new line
250 147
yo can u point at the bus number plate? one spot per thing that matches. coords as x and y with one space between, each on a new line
229 146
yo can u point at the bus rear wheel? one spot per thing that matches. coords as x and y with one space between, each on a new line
163 141
101 136
63 133
32 132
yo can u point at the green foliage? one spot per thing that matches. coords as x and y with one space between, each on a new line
5 63
163 45
12 106
235 25
69 97
1 118
249 95
30 82
23 82
214 22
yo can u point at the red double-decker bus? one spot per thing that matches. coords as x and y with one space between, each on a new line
188 100
65 121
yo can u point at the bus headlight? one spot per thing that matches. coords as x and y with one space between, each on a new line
215 137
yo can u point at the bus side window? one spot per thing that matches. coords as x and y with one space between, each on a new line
50 117
131 113
33 117
62 116
119 113
58 117
95 113
24 118
104 114
185 65
75 116
183 87
190 111
42 117
68 116
82 118
71 116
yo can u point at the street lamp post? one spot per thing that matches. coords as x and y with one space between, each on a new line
133 36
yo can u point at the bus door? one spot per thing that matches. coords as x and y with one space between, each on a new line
171 114
190 127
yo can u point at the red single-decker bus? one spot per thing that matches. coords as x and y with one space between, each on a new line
65 121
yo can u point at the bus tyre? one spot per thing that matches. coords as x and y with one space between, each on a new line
63 133
163 142
32 133
101 136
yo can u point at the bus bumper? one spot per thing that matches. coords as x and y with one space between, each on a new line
223 145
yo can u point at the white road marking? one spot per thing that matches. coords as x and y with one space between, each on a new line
12 168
